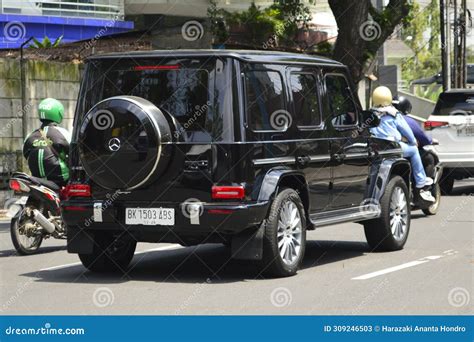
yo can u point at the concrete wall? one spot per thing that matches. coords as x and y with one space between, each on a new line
421 107
44 79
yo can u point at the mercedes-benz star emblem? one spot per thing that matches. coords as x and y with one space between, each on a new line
114 144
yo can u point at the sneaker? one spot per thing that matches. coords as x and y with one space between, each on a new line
427 196
429 181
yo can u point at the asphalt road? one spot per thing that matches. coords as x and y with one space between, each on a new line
432 275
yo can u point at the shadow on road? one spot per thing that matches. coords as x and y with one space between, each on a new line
462 189
42 250
205 263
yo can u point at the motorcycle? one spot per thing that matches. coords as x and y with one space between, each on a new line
433 169
38 214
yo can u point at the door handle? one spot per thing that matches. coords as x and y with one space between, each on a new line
338 157
303 161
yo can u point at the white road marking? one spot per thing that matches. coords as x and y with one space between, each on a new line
173 246
390 269
405 265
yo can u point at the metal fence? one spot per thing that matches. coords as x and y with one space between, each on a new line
104 9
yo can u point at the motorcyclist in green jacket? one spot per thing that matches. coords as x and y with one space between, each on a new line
47 148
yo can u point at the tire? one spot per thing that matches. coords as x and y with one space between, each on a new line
277 260
446 184
110 253
433 209
380 234
20 246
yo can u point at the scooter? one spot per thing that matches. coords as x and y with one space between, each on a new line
38 214
428 155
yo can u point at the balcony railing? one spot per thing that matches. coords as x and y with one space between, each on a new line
104 9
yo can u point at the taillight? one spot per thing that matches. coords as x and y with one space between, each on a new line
228 192
18 186
429 125
76 190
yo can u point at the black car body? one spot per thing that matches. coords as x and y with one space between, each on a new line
231 130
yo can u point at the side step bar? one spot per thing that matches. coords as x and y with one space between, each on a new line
355 214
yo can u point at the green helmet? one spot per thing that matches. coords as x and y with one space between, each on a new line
51 110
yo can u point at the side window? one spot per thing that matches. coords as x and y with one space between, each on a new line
305 99
265 102
340 100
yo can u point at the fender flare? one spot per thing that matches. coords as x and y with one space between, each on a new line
381 173
272 179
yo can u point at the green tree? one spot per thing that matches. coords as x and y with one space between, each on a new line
362 29
426 59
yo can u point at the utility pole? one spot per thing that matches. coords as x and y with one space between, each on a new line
455 68
463 24
445 57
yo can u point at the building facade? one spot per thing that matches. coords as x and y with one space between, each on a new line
74 20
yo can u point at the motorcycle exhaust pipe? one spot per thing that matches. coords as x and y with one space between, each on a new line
43 221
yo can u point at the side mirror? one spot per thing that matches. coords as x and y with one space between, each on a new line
369 119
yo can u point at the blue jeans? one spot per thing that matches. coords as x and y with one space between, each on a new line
417 168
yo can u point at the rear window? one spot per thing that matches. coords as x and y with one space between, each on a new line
187 89
454 103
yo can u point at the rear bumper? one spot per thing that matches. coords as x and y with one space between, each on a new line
456 160
223 218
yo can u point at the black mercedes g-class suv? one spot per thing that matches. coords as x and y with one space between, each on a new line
246 148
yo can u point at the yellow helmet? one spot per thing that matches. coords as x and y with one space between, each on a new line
382 96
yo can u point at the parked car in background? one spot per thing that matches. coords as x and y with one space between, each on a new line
451 123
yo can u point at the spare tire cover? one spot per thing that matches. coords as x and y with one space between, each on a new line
121 142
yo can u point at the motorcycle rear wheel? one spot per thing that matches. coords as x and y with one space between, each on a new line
23 244
433 209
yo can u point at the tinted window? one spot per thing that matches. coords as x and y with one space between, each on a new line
305 99
185 88
340 100
265 101
455 103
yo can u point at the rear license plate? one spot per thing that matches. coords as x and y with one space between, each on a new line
150 216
